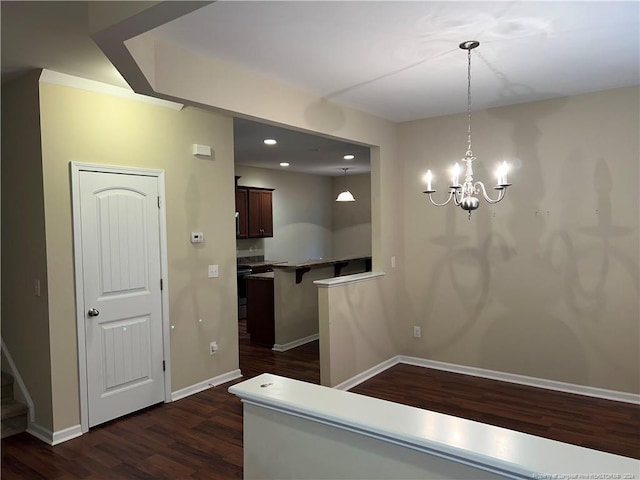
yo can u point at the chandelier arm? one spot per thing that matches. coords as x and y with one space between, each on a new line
440 204
501 192
458 195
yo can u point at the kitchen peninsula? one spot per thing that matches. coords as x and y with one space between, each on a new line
354 264
291 319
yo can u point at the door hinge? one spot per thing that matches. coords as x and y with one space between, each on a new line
158 202
163 366
161 284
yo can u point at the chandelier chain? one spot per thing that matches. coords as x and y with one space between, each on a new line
469 102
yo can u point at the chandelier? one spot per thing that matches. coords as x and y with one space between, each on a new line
464 195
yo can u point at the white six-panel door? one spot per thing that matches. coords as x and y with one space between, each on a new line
121 275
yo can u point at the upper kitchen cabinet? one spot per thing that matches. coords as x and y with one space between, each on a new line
260 212
242 212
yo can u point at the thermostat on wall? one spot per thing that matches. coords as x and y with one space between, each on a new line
197 237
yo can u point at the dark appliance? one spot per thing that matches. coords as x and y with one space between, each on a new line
243 271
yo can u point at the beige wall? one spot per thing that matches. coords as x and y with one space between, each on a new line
351 224
301 214
357 329
296 304
195 78
545 283
82 126
181 74
25 326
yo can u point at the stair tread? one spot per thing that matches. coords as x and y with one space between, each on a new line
7 379
12 408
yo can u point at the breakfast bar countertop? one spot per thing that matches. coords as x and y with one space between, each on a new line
320 262
338 263
259 263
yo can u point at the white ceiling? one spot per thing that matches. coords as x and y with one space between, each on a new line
394 59
400 59
305 153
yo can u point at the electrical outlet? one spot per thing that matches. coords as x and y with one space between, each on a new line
417 331
213 347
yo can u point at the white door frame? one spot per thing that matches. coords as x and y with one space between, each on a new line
76 168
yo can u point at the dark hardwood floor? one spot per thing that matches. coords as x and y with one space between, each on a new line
604 425
201 436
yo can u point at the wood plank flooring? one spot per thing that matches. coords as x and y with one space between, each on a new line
604 425
201 436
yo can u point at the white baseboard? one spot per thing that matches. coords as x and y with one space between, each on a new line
493 375
296 343
200 387
367 374
66 434
53 438
524 380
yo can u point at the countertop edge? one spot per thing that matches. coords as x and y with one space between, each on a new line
347 279
319 263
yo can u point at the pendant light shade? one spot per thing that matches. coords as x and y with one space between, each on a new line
346 195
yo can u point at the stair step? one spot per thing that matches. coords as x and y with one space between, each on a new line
7 378
14 418
7 386
11 409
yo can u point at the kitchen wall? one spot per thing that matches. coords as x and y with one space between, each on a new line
307 221
302 213
351 222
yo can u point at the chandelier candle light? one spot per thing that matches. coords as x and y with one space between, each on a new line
463 195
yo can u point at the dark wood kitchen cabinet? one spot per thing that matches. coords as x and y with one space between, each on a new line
254 212
260 304
260 212
242 213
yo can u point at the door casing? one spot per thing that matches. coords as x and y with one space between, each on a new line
76 168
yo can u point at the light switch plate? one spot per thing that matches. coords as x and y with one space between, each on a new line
213 271
197 237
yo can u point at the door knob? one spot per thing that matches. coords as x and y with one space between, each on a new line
93 312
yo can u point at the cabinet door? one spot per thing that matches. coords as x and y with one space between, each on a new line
266 214
260 213
255 213
242 218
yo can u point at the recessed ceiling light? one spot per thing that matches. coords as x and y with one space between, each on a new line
349 157
284 164
270 141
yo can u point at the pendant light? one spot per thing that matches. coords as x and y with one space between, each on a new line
345 196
